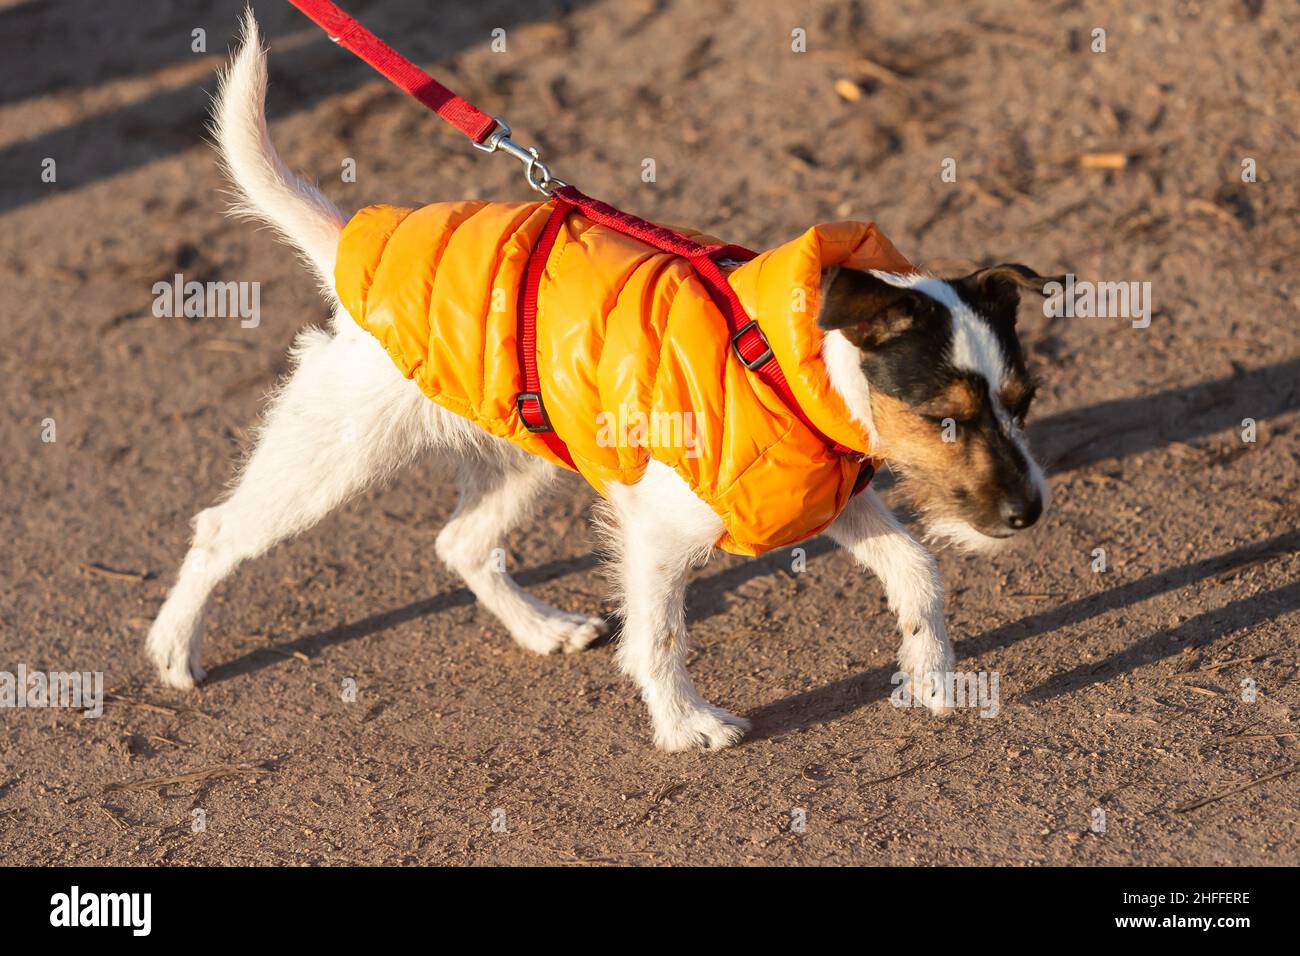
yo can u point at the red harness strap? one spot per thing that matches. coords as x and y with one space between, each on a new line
529 401
747 339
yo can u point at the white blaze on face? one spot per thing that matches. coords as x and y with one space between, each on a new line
974 347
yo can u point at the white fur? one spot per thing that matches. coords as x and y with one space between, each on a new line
265 189
870 532
497 492
659 531
844 367
940 531
346 418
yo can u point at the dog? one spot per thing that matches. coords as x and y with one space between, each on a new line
931 369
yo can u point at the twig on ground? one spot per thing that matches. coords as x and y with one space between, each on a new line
114 816
931 765
1210 668
196 776
142 704
1235 790
94 567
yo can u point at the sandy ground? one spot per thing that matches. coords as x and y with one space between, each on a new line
1121 691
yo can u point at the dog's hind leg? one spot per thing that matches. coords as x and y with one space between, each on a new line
498 488
661 530
343 419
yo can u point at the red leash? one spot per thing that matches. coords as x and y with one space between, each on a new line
353 37
491 134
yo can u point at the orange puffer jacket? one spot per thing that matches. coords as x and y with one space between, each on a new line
634 357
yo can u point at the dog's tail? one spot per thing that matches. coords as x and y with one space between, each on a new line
264 188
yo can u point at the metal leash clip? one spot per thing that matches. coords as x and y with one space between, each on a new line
536 172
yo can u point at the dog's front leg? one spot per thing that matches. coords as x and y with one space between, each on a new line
868 530
662 531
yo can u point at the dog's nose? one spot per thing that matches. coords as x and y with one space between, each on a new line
1022 510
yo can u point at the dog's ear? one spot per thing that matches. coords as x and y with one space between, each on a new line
869 311
1001 284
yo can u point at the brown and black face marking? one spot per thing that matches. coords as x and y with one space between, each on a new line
949 390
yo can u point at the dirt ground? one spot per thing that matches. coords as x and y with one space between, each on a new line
1125 691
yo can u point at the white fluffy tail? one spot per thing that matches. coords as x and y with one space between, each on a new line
265 189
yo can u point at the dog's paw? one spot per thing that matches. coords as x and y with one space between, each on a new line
705 728
563 633
171 656
177 670
928 660
930 690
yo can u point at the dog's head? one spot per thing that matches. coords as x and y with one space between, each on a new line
945 394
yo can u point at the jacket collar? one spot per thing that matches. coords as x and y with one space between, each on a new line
781 290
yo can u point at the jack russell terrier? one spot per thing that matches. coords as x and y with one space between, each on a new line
697 434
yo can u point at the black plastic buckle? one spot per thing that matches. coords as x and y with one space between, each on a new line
760 361
545 425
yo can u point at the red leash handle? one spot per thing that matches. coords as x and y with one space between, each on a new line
344 30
